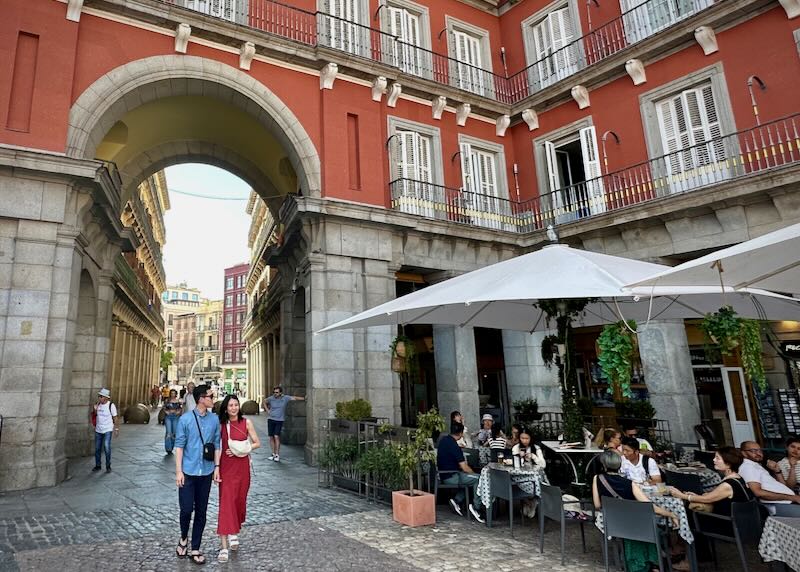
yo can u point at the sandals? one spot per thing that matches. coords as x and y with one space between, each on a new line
197 557
183 548
223 555
233 540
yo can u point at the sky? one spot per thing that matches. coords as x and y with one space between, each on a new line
204 236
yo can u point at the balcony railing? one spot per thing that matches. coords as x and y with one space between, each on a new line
319 28
207 328
719 160
206 348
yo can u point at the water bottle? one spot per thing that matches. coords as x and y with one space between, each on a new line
702 444
517 462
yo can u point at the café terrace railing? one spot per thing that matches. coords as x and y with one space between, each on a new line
723 159
319 28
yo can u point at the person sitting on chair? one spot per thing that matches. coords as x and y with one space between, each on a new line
645 448
529 450
766 483
790 464
637 467
609 439
450 459
485 433
497 440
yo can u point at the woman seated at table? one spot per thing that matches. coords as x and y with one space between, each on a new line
639 556
790 464
733 488
497 440
637 467
529 450
609 439
466 440
512 440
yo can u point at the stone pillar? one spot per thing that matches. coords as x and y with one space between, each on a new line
668 374
526 374
457 373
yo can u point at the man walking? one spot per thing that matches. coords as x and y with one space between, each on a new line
276 409
106 422
197 454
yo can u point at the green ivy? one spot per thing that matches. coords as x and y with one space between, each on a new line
750 338
617 347
526 407
549 349
721 330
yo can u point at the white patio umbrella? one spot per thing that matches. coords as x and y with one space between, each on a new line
504 295
771 262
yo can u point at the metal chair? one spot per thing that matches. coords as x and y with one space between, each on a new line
440 485
745 524
502 487
684 482
634 520
705 457
551 505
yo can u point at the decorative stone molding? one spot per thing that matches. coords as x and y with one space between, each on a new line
378 88
439 104
707 39
581 96
246 53
394 94
792 8
462 112
74 10
635 69
530 117
328 75
501 124
182 33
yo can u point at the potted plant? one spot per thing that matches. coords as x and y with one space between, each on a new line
527 410
726 332
404 356
339 456
635 413
414 507
617 344
349 413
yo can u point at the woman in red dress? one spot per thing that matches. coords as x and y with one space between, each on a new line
234 473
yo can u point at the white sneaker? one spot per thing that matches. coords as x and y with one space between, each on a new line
456 507
276 458
272 457
476 514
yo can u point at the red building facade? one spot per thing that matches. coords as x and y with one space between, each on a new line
234 312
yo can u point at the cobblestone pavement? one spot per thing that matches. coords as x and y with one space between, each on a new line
127 520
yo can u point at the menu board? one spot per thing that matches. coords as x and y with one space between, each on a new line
788 402
768 415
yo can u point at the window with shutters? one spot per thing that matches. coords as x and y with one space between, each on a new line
643 18
344 25
471 61
685 122
483 200
570 176
416 168
232 10
407 40
552 45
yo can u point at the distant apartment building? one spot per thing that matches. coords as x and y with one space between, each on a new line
177 300
234 370
183 343
208 319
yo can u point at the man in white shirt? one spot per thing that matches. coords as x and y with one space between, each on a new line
637 467
779 499
106 423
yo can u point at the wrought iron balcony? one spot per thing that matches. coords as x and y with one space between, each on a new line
206 348
723 159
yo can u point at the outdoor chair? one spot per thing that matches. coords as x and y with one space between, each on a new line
634 520
745 524
494 452
551 505
502 487
684 482
440 485
705 457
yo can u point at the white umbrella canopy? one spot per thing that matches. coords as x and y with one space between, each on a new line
504 295
771 262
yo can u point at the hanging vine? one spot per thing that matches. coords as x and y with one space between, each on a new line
750 340
725 332
617 347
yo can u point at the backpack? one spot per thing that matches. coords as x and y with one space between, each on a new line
94 413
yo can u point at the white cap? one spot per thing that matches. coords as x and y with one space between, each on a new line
487 417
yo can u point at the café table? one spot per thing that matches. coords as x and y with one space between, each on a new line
528 478
780 541
708 477
567 453
484 455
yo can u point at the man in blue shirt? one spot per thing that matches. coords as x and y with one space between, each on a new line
196 431
276 408
450 457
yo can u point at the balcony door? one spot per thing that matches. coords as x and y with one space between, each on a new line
231 10
406 41
341 27
695 154
469 65
482 203
643 18
574 176
557 57
413 166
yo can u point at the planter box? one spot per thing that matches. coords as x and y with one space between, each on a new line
419 510
346 483
344 426
636 422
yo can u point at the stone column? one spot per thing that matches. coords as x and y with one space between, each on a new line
526 374
457 372
668 374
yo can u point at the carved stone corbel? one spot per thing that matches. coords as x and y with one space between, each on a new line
182 33
378 88
74 10
581 96
394 94
327 75
462 113
707 39
792 8
635 69
246 53
439 104
501 124
530 117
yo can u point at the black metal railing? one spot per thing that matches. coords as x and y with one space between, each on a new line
718 160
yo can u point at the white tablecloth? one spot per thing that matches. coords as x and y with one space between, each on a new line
672 504
781 541
528 479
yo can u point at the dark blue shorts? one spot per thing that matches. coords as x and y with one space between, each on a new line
274 428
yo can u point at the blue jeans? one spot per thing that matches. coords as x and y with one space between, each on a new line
470 479
171 426
102 440
193 497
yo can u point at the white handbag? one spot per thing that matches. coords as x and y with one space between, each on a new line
240 448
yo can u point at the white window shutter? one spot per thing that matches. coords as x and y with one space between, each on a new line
553 178
467 175
424 170
592 170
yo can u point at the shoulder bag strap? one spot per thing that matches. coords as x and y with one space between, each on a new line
609 488
200 431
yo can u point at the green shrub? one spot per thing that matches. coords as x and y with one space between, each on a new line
354 410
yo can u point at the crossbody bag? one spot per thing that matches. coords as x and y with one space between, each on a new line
239 447
208 448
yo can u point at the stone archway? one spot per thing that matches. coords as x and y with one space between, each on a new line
132 85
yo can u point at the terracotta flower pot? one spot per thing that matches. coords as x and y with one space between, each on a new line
398 364
419 510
